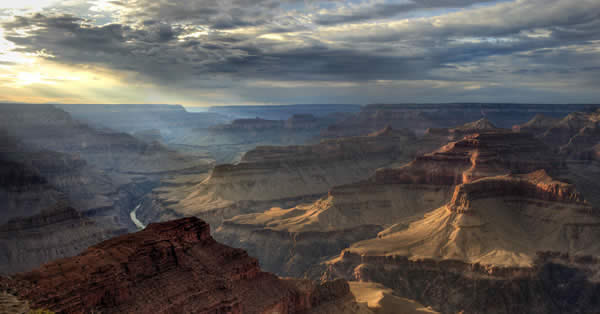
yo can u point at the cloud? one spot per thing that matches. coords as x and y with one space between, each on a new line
230 44
379 10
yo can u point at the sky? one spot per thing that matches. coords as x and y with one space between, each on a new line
249 52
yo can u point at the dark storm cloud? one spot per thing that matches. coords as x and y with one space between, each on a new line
150 40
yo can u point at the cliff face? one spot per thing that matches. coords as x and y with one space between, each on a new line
391 198
285 176
501 220
482 252
39 192
172 267
453 134
557 283
45 127
55 232
50 165
574 136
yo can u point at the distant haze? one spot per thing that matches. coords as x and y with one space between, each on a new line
257 52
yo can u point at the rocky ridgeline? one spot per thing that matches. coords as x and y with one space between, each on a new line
556 283
270 176
292 241
537 185
506 244
575 136
420 117
172 267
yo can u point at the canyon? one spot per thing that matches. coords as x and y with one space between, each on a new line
66 185
473 208
297 240
269 176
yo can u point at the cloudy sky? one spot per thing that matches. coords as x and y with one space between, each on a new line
236 52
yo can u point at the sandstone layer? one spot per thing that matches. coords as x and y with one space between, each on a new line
172 267
308 234
494 234
285 176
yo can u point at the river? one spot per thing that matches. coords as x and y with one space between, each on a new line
133 217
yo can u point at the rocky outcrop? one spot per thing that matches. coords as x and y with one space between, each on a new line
453 134
382 300
556 283
389 200
50 164
576 138
170 267
56 232
500 220
39 192
537 125
490 236
285 176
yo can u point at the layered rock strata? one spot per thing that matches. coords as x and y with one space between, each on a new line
390 199
494 234
285 176
172 267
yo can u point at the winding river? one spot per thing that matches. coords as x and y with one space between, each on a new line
133 217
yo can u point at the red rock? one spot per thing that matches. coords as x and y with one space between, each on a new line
171 267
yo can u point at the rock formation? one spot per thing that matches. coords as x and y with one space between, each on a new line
420 117
39 192
45 127
556 283
285 176
172 267
576 138
291 241
537 125
490 234
382 300
67 185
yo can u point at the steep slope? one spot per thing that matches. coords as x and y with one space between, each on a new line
577 138
37 221
290 241
48 128
445 135
284 176
56 172
173 267
537 125
383 301
500 221
493 233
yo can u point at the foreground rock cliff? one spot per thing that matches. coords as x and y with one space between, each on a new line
172 267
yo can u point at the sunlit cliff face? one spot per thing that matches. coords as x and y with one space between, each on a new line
265 51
